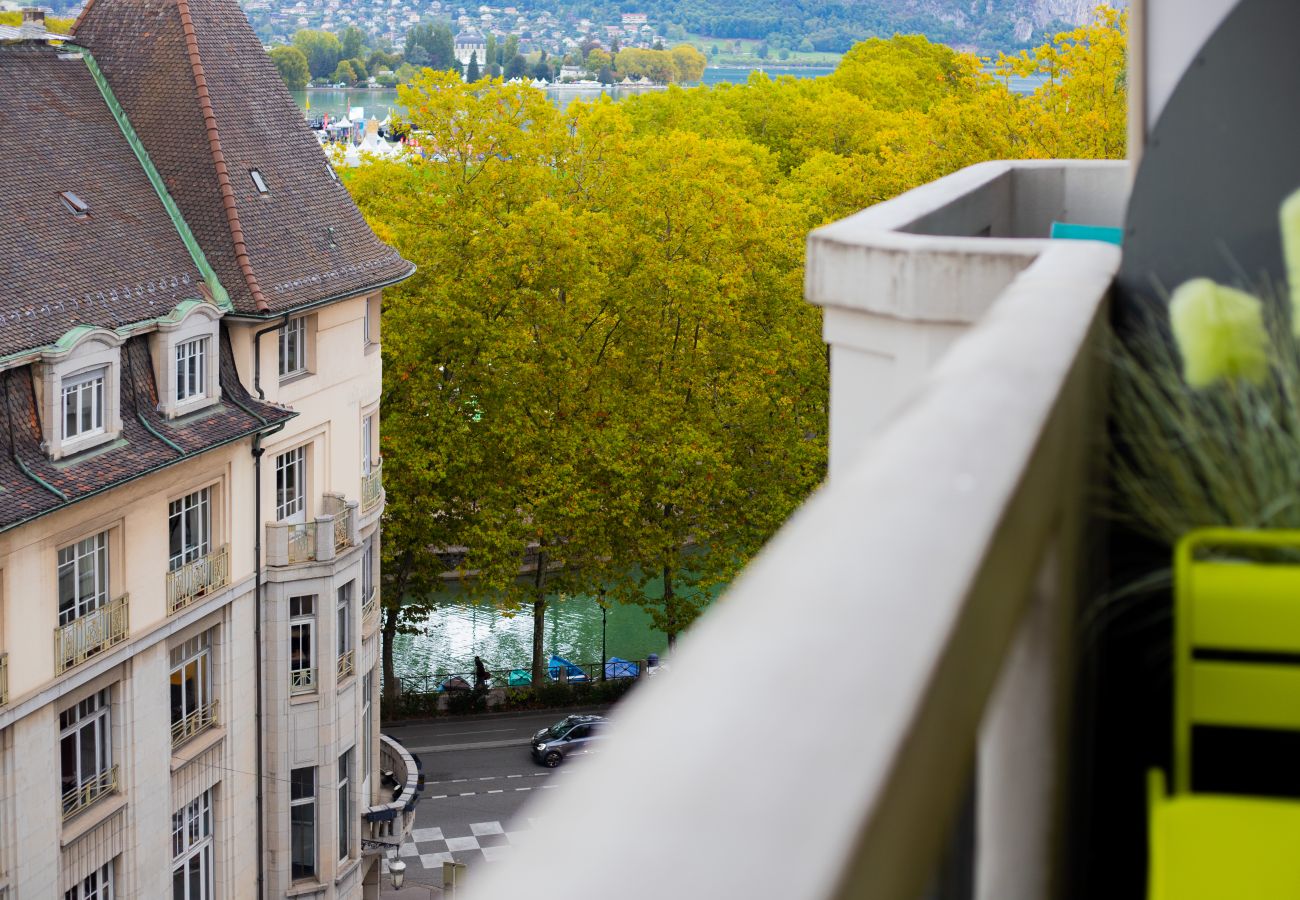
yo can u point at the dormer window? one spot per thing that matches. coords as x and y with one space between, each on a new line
259 182
83 404
77 390
191 369
75 205
185 358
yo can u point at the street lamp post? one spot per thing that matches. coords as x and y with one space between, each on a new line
603 611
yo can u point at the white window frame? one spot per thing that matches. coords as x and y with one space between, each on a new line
98 885
367 443
192 361
368 570
346 805
344 624
291 486
370 321
296 804
86 557
92 354
191 662
186 353
293 348
93 715
367 723
195 530
89 418
192 847
302 625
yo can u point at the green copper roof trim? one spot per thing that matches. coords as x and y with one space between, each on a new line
219 295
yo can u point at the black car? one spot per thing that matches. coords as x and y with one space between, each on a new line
567 737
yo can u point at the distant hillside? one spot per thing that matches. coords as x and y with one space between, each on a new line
835 25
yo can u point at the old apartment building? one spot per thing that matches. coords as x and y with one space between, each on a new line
189 475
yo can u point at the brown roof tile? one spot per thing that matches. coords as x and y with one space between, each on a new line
138 452
210 107
123 262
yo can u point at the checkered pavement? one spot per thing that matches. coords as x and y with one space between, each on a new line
429 848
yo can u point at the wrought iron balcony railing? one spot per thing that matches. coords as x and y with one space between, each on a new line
197 578
372 487
4 678
302 681
342 529
82 638
320 540
194 724
85 794
347 662
370 606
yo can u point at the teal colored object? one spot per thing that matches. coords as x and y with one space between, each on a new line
1236 633
1068 231
519 677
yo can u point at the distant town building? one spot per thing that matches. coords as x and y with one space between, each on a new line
470 43
635 19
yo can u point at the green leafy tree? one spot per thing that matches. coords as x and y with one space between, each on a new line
322 49
353 42
517 67
292 66
542 70
472 73
442 49
419 39
344 74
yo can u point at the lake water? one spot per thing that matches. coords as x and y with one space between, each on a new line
381 103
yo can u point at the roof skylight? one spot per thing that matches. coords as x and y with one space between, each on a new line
259 182
74 204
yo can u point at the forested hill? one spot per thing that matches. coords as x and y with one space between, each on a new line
835 25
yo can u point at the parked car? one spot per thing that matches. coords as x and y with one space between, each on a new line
570 736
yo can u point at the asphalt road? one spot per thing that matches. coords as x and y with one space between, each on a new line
478 780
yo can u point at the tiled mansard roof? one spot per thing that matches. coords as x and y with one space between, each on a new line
124 261
138 450
210 107
152 135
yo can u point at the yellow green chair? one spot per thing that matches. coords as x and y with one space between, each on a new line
1236 664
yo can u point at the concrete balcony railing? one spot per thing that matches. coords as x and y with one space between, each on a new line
82 638
931 584
321 540
194 724
389 823
302 681
197 578
372 488
88 792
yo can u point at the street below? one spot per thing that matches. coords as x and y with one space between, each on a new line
480 780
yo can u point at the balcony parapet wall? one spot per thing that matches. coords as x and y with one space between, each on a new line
902 280
930 585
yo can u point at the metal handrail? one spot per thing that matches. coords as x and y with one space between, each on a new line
197 578
342 528
372 487
194 724
83 795
302 681
370 605
83 637
346 664
302 542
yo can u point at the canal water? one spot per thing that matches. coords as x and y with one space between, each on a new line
459 628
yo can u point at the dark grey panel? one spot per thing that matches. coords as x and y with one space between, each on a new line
1223 155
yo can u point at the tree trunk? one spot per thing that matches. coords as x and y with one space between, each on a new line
670 613
391 686
539 619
